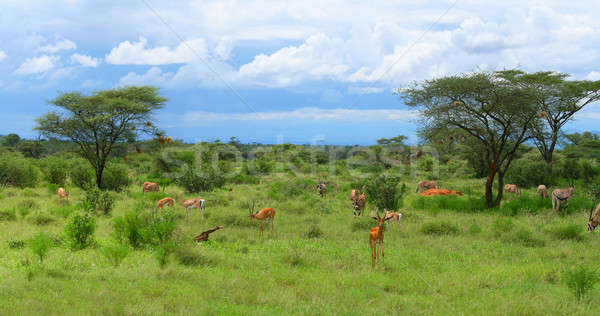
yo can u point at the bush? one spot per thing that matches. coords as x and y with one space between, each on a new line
97 200
17 171
530 173
205 179
384 191
115 253
189 256
81 174
39 218
115 177
581 280
139 231
568 232
162 253
56 171
16 244
440 228
80 230
40 244
314 232
130 227
161 227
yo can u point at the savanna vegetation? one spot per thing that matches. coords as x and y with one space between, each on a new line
108 250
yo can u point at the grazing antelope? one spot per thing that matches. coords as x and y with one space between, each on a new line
542 191
358 203
594 220
168 201
150 187
561 195
512 188
426 185
263 215
376 238
321 189
197 203
204 235
397 216
62 194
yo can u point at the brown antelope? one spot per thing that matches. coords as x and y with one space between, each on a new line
397 216
263 215
204 235
426 185
542 191
197 203
376 238
512 188
594 219
561 195
321 189
354 194
62 194
150 187
168 201
358 203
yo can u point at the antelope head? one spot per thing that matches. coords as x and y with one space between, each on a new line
252 214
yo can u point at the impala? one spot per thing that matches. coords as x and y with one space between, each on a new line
594 220
561 195
542 191
397 216
512 188
426 185
197 203
62 194
150 187
263 215
376 238
359 204
168 201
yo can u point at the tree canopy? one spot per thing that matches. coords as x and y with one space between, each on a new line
492 111
101 120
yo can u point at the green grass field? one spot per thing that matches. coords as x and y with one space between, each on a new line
316 262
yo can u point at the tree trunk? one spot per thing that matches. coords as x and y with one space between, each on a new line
488 186
500 188
99 173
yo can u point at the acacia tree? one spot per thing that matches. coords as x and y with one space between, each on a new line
558 100
101 120
497 116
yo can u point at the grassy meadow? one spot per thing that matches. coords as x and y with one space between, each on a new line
446 258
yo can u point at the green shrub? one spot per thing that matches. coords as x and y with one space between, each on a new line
194 180
80 230
162 253
16 243
115 177
130 228
568 232
40 244
98 200
191 256
115 253
40 219
17 171
8 215
314 232
440 228
385 192
162 226
56 171
581 280
81 174
105 203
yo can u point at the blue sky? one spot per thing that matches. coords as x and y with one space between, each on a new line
275 71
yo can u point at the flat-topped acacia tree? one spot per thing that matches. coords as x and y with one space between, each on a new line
102 119
495 114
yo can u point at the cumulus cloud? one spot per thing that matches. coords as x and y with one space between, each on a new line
37 65
136 53
85 60
364 90
154 76
593 75
63 44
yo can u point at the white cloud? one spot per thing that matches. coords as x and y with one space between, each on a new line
85 60
308 113
37 65
63 44
153 76
136 53
593 75
2 55
365 90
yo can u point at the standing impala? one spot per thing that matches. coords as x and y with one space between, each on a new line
168 201
263 215
376 238
197 203
561 195
62 194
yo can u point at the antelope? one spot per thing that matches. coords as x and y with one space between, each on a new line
354 194
150 187
426 185
560 195
359 203
512 188
542 191
168 201
376 238
321 189
397 216
263 215
204 235
197 203
62 194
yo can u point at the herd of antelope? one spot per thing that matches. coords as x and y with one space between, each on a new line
358 204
